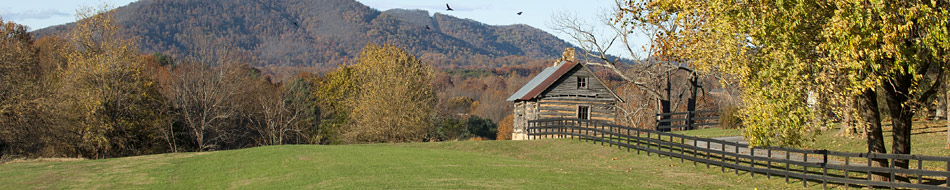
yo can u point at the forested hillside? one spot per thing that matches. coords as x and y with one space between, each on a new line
321 33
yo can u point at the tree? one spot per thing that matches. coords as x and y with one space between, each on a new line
899 50
106 98
23 118
331 94
780 52
395 98
279 113
201 96
17 62
505 127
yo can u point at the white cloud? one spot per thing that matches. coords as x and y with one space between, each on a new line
34 14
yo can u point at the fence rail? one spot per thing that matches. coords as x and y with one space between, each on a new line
822 166
687 120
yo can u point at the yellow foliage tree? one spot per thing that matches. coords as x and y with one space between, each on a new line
784 52
394 100
104 90
506 127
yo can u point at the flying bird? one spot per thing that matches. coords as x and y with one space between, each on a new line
448 8
295 24
427 27
519 13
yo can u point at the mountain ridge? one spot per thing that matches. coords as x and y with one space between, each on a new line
321 33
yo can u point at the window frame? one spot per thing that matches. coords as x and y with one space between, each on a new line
583 82
583 115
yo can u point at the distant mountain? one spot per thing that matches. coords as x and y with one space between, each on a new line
321 33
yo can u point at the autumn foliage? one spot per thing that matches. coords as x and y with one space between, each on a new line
506 127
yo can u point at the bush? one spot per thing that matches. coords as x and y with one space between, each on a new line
729 118
449 129
482 127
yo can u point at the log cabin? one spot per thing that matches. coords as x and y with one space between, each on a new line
565 90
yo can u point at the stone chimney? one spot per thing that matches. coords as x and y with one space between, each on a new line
568 55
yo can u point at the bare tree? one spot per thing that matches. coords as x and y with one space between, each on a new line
279 114
654 74
201 94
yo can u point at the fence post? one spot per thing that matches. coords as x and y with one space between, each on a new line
737 159
618 137
671 148
768 165
571 131
824 169
628 139
891 165
638 145
752 161
788 159
722 157
805 169
586 131
689 120
610 134
694 152
601 131
920 166
560 128
682 149
708 148
648 145
846 176
869 167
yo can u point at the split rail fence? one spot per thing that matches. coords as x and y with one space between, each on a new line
816 166
687 120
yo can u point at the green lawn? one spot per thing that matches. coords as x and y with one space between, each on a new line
540 164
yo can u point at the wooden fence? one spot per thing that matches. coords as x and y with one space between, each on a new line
820 166
686 120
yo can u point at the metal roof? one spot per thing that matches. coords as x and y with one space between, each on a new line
542 81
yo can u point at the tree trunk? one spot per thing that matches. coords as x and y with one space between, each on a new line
901 118
873 130
691 102
848 124
664 108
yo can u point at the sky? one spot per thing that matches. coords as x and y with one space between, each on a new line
38 14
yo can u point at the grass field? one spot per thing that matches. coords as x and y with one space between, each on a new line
540 164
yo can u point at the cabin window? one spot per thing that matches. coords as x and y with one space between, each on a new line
581 82
583 112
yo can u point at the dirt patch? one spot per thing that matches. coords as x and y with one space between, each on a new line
40 160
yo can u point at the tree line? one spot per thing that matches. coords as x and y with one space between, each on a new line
93 94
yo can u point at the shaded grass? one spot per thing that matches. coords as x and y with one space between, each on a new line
540 164
928 138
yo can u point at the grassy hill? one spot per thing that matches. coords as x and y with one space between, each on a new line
542 164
